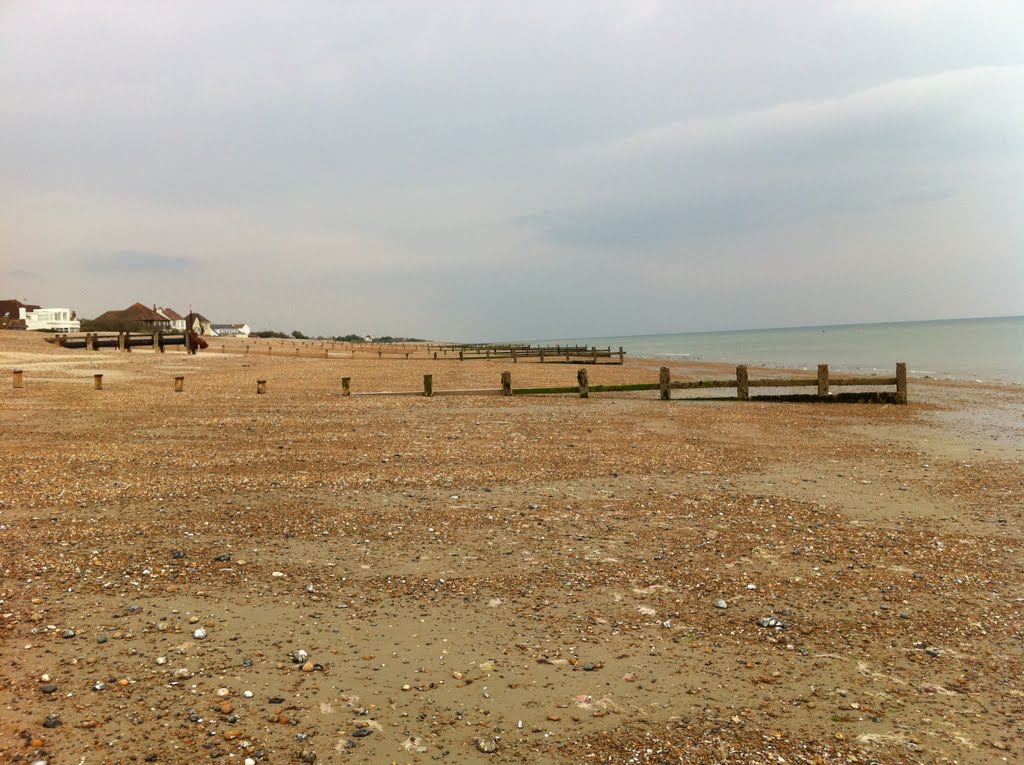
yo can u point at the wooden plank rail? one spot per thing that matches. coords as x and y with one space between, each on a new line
742 383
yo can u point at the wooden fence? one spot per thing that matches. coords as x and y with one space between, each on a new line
665 385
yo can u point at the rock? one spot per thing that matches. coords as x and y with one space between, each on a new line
101 639
589 666
161 660
308 666
183 673
68 634
178 554
771 622
223 557
300 656
487 744
276 700
52 721
721 604
49 689
199 634
362 732
307 755
247 694
222 693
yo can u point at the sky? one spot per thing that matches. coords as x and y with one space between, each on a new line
486 170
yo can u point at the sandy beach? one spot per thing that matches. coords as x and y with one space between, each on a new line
302 577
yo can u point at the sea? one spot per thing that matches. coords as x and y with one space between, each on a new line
989 349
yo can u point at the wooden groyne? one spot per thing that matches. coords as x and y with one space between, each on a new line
823 384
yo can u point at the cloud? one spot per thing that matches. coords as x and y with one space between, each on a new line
906 141
136 261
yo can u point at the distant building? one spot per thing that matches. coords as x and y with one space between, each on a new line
135 314
176 319
230 330
196 322
17 315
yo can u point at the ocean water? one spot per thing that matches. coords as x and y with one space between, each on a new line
965 349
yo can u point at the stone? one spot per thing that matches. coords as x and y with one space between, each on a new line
487 744
771 622
49 689
300 656
199 634
68 634
362 732
721 604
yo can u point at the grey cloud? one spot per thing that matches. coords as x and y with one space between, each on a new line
136 261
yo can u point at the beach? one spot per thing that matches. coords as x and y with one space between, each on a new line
216 575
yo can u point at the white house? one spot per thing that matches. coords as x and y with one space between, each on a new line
53 319
230 330
176 319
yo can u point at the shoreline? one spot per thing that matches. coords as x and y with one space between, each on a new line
456 566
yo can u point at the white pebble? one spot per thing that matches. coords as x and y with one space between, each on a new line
199 634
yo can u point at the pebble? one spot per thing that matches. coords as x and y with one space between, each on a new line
362 732
247 694
300 656
67 634
721 604
308 666
771 622
183 672
487 745
199 634
161 660
223 557
223 692
101 639
52 721
589 666
48 689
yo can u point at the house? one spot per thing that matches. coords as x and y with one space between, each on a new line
230 330
13 314
134 314
17 315
196 322
176 319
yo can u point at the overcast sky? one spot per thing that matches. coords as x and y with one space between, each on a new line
515 170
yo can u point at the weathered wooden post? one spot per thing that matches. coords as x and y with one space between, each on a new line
345 389
127 342
428 385
461 358
18 380
541 355
158 342
90 341
179 384
901 382
435 355
742 383
621 354
261 386
514 359
581 378
822 379
593 350
665 383
188 342
380 354
97 382
506 383
120 341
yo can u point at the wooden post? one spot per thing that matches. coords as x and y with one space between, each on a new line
188 342
506 383
581 378
345 390
594 351
179 384
428 385
380 354
435 355
18 381
90 341
664 383
261 386
901 382
541 355
514 359
97 382
121 341
460 355
621 360
742 383
127 342
822 379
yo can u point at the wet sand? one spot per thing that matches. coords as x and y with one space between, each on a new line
534 574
